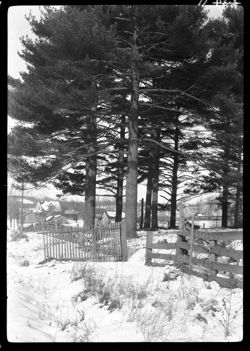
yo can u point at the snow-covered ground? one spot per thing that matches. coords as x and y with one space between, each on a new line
114 301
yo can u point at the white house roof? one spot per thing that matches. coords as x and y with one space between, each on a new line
70 212
49 206
49 218
113 214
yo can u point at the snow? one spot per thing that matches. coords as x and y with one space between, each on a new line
113 214
46 304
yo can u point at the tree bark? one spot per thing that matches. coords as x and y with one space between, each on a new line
131 184
225 191
91 164
120 175
224 206
142 210
238 193
154 225
147 218
173 199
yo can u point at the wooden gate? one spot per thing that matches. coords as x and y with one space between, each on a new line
86 244
202 253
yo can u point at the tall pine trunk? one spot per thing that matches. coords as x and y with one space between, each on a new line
224 207
131 183
120 175
173 199
156 163
147 217
238 193
91 164
225 191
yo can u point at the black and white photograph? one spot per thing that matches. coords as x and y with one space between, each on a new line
125 173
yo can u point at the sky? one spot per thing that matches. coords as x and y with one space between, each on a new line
18 26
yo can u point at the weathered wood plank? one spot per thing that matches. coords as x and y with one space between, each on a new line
164 246
149 242
164 256
123 242
223 282
215 235
220 251
213 265
199 262
44 247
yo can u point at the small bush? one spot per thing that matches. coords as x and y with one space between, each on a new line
24 263
105 297
114 305
79 272
17 235
191 304
200 318
157 303
87 329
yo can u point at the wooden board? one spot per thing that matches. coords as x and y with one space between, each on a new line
204 263
215 235
220 251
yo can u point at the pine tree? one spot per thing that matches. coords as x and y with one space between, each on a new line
64 89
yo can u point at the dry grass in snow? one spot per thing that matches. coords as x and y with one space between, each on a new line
114 301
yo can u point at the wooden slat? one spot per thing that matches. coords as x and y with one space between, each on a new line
164 246
50 251
68 250
163 256
224 282
62 246
211 265
44 248
215 235
47 244
220 251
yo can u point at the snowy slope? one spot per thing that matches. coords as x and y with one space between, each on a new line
114 301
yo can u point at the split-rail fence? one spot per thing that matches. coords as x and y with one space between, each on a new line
201 253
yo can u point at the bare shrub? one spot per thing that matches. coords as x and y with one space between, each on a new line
227 317
86 330
84 271
18 235
24 263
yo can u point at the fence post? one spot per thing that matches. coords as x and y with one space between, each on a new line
191 241
124 250
142 212
180 235
212 256
149 243
44 248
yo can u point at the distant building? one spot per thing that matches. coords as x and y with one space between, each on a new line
71 214
45 209
108 217
56 221
98 215
48 207
29 218
207 213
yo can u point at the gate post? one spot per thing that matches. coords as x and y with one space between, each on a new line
180 252
149 242
124 250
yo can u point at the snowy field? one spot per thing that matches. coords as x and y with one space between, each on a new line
114 301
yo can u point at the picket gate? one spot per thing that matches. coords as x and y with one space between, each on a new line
86 244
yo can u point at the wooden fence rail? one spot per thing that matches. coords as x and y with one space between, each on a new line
212 246
86 244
